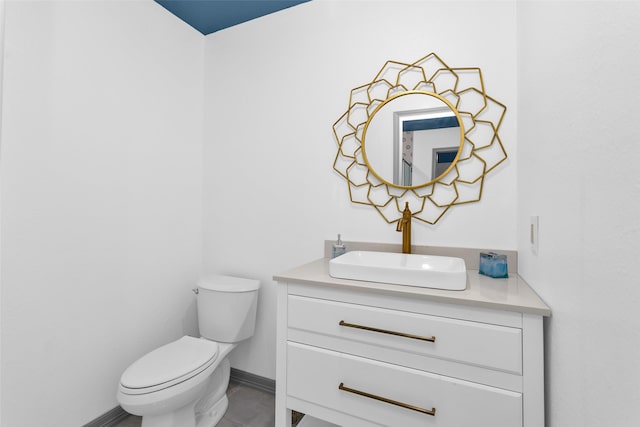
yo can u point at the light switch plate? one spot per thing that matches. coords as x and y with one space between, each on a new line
533 233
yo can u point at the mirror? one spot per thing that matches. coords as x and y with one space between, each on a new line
412 139
421 133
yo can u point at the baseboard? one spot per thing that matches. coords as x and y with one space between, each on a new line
108 419
252 380
117 414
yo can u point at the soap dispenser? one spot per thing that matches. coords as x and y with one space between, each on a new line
338 248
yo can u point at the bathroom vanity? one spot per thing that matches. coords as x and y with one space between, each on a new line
358 354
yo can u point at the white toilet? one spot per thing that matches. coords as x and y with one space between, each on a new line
184 383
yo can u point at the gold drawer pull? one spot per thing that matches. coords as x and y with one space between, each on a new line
431 411
384 331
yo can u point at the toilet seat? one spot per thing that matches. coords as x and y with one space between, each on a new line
169 365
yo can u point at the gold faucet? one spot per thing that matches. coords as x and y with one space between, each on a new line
404 225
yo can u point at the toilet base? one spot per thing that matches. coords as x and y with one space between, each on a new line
180 417
212 417
208 410
186 417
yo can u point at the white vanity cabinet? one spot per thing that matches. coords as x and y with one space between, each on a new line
368 354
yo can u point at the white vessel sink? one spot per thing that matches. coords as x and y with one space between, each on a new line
425 271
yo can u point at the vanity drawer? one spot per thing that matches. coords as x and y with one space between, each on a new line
354 385
474 343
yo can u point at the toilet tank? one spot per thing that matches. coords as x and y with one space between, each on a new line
227 307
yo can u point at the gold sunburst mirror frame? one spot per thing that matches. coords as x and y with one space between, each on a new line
479 152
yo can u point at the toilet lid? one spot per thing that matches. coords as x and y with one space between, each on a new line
170 364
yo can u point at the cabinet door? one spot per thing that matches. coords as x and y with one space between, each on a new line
391 395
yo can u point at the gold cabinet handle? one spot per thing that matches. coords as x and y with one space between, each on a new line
385 331
431 411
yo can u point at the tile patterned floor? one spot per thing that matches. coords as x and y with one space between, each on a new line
248 407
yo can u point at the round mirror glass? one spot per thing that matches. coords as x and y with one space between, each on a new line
412 139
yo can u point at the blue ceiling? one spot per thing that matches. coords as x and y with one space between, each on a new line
209 16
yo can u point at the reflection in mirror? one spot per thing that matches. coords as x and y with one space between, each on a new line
424 146
413 139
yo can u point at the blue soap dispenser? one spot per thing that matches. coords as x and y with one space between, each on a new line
338 248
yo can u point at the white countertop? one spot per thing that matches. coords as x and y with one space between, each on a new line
512 294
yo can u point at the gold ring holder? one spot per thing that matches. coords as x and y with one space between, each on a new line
481 150
431 411
385 331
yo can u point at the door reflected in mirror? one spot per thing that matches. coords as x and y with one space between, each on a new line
412 139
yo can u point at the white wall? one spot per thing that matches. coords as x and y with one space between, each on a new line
275 86
101 200
2 3
578 158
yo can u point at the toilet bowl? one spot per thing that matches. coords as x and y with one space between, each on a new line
184 383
